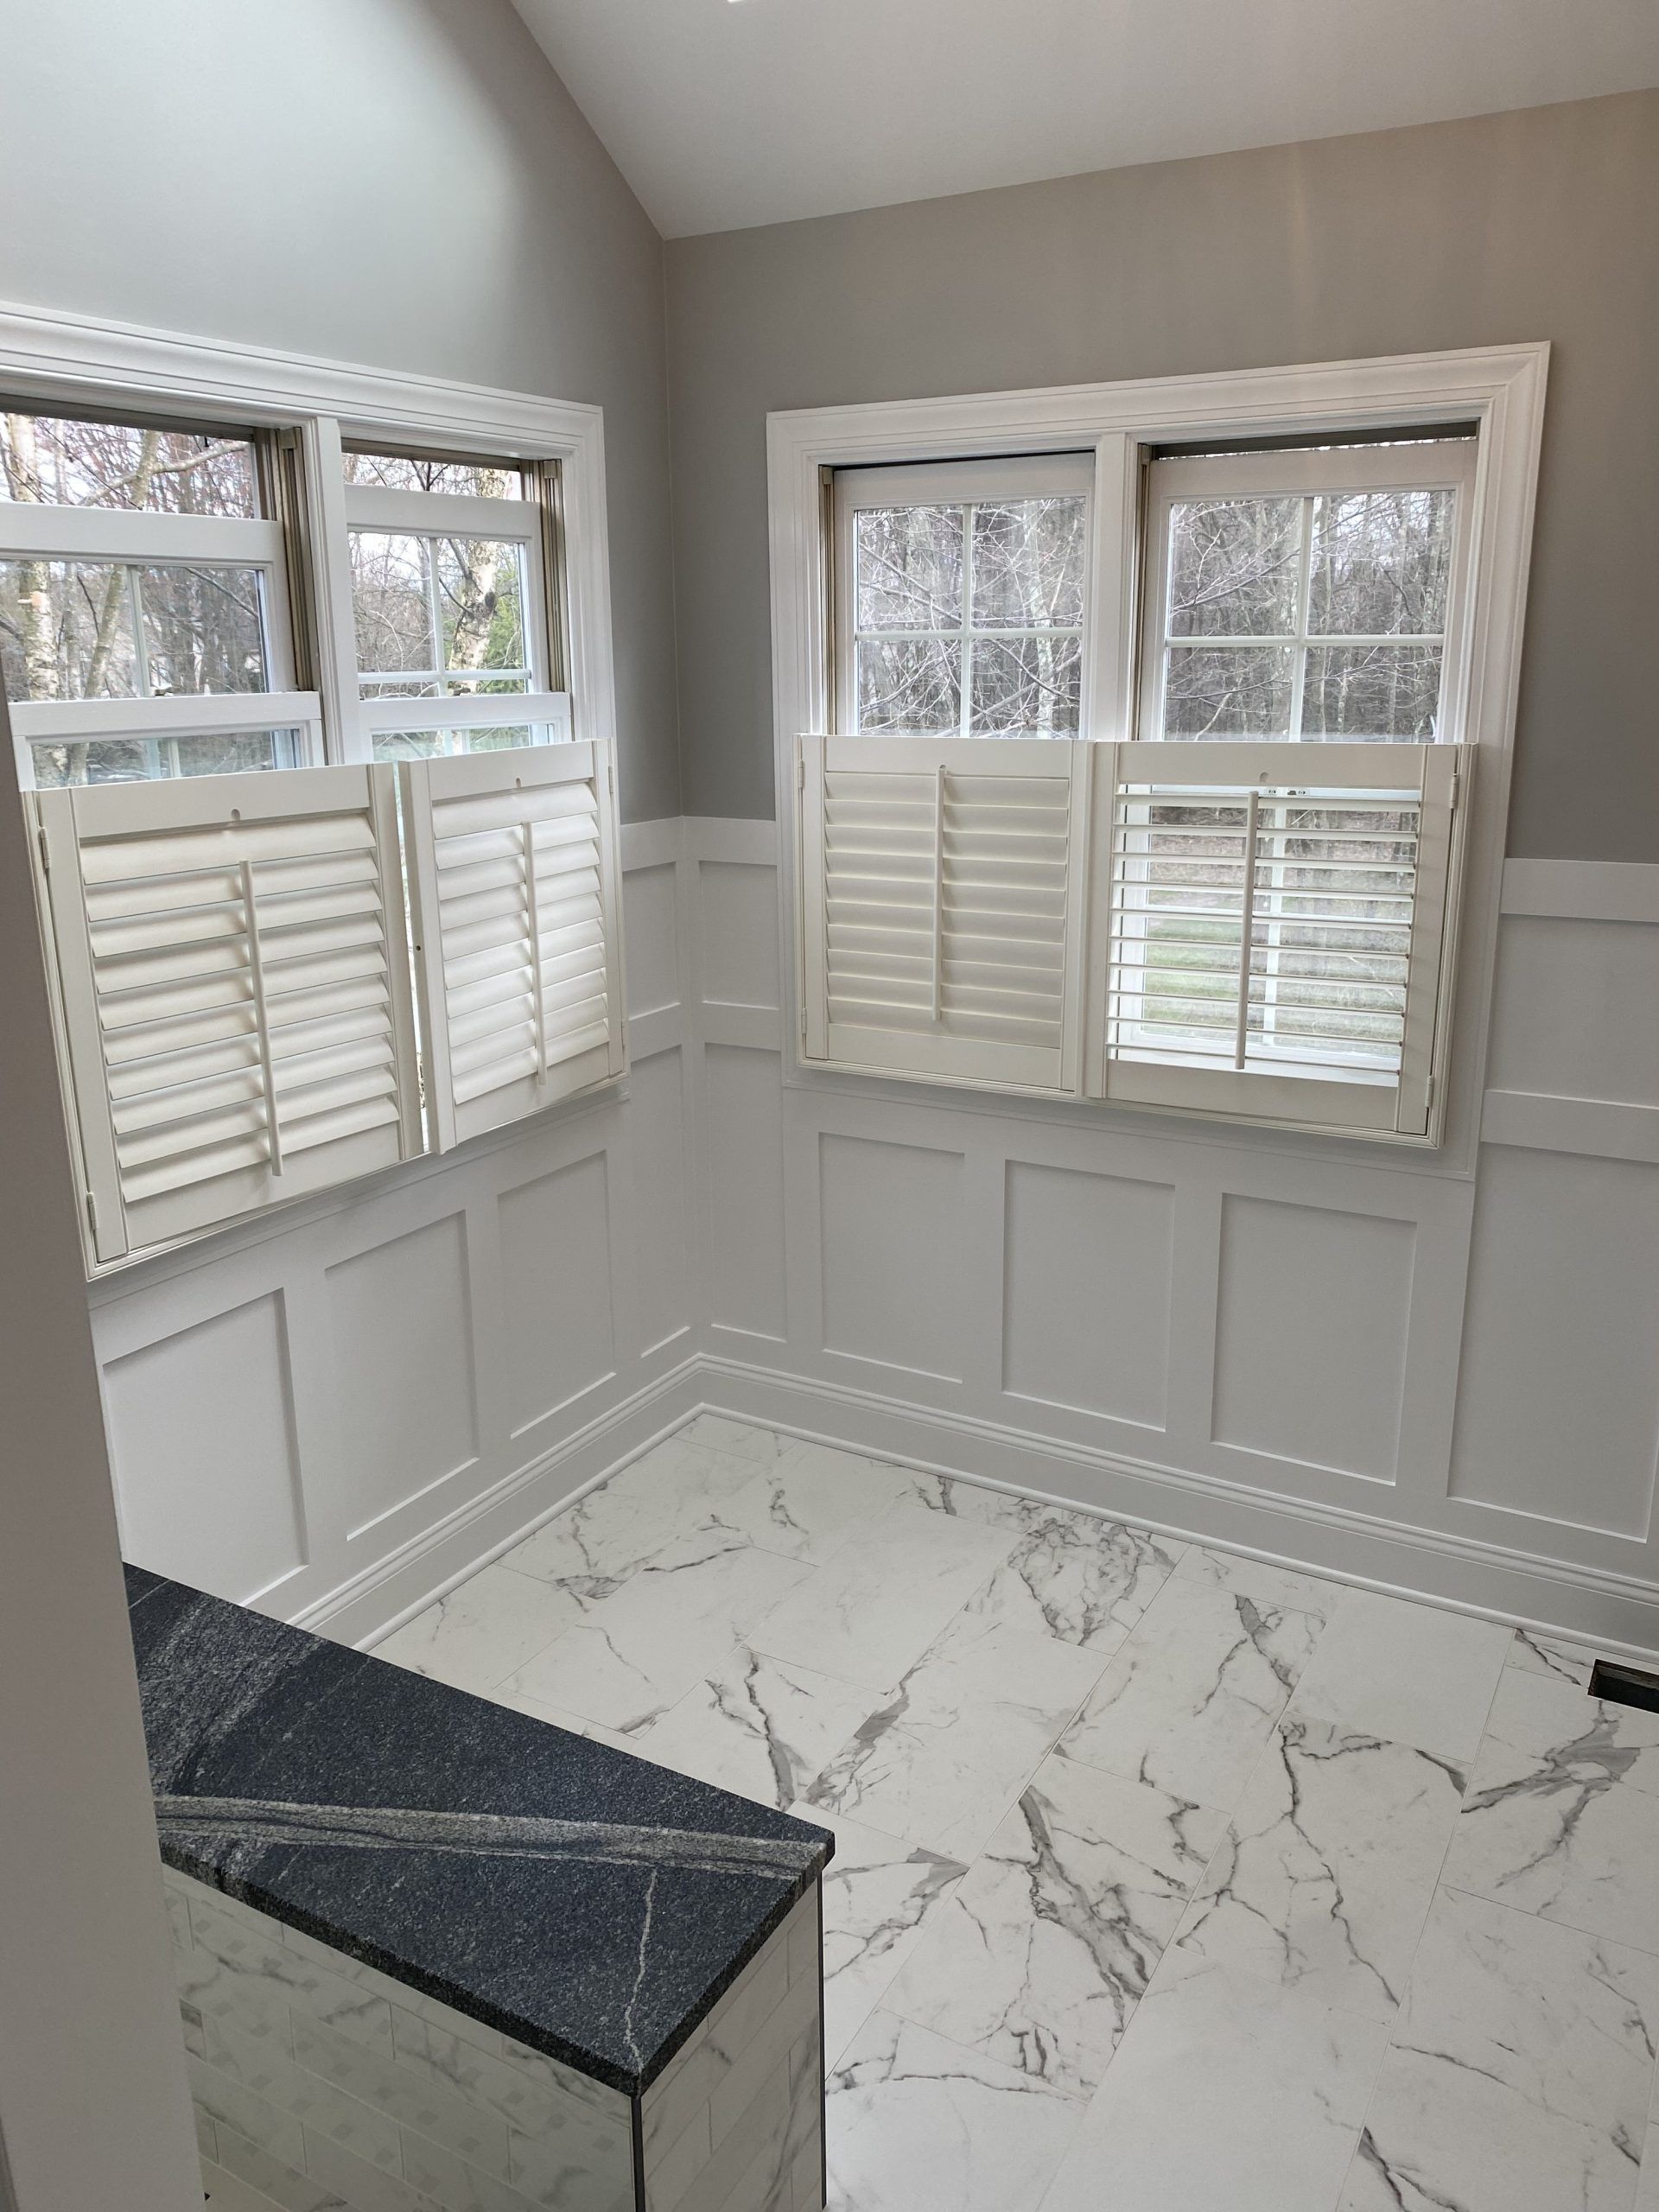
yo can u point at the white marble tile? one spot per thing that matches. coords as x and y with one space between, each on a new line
946 1755
916 2124
757 1726
676 1619
1534 1653
1041 1952
806 1502
1409 1673
880 1893
1071 1576
1283 1588
1519 2073
1227 2094
670 1493
1190 1700
1561 1818
1327 1871
486 1627
889 1591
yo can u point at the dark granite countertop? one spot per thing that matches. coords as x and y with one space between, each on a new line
583 1901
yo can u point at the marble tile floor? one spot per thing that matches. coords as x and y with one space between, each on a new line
1165 1880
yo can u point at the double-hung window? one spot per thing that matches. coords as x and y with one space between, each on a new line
456 623
145 626
1240 902
267 985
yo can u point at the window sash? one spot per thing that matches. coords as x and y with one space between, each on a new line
1446 464
947 484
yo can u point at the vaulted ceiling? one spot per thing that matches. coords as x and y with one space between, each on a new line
722 113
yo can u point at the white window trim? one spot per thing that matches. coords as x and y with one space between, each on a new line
74 359
57 360
1501 390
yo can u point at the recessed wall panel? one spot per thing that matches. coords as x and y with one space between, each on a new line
556 1289
657 1151
1558 1405
401 1323
892 1248
1312 1314
743 1097
1572 1009
1085 1313
648 923
738 905
201 1443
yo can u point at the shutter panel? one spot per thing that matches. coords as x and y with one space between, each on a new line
513 879
234 992
1280 924
942 886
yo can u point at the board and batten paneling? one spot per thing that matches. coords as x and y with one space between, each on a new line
1439 1380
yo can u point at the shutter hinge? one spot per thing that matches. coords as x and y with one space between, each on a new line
610 774
800 772
1457 789
1428 1096
420 1079
46 849
92 1213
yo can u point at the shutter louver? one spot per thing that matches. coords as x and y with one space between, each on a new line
1278 923
230 958
943 888
512 876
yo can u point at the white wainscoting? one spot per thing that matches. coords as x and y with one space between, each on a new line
336 1412
1389 1371
1438 1381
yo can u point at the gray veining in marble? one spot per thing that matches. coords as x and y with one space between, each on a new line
1325 1874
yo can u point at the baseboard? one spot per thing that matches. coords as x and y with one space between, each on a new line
383 1596
1616 1613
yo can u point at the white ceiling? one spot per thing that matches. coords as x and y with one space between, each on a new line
722 113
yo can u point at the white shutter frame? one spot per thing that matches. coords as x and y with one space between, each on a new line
512 1021
231 980
1431 781
941 935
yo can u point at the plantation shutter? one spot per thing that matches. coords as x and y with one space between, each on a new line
513 883
233 990
1281 919
942 889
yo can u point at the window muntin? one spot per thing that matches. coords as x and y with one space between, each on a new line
963 592
438 616
1307 595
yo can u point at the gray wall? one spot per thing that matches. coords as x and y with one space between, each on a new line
400 182
1539 224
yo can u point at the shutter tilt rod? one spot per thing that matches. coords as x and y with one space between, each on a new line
257 977
1242 1036
527 831
938 892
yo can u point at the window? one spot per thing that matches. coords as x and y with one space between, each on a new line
267 985
1200 850
454 623
144 622
961 594
1304 595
